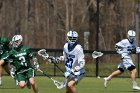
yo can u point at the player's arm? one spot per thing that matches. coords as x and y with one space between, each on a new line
32 56
81 60
120 47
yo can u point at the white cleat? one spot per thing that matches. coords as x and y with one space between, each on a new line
105 82
136 88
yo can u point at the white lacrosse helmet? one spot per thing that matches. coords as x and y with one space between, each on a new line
72 37
17 41
131 35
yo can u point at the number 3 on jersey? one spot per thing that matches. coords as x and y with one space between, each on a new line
22 59
69 62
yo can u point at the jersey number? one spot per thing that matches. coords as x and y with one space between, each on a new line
22 59
69 62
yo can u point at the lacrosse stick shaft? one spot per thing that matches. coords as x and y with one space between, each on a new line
58 67
44 73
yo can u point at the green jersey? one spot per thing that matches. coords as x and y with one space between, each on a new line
4 45
20 58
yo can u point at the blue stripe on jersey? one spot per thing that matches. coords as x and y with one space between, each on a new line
70 48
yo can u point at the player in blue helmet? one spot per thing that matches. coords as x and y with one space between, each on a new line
74 62
125 48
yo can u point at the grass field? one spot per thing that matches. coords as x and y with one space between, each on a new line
87 85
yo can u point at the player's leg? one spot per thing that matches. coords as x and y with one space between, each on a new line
133 73
34 86
6 67
1 70
71 82
71 87
30 75
21 80
114 74
22 84
1 75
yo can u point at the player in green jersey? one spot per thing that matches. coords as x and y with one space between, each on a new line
4 48
21 57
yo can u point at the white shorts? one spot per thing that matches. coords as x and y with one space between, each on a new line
126 63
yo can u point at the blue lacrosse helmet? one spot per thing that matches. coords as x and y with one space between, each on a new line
72 37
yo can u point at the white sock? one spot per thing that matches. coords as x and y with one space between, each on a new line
0 80
109 78
134 83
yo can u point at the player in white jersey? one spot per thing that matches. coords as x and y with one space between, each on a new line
125 48
74 61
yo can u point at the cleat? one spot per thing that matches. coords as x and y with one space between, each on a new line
136 88
105 82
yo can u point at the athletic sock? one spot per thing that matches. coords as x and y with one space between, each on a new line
108 78
134 83
0 81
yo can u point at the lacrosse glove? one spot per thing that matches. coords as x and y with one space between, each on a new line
52 59
67 73
36 66
12 72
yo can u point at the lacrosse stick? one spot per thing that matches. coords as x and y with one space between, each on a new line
45 56
54 60
96 54
58 84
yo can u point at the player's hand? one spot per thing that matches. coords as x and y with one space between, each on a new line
36 66
12 72
77 68
77 73
67 73
51 59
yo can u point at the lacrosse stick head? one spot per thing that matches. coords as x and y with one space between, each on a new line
96 54
58 84
43 53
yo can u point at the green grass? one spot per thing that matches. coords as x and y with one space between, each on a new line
87 85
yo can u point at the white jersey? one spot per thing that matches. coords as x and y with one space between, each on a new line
125 47
73 57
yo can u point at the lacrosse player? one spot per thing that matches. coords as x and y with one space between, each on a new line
21 56
4 48
125 48
74 61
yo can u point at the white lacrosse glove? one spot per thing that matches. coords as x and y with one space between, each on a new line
67 73
71 72
77 73
138 50
77 68
12 72
61 58
51 59
36 66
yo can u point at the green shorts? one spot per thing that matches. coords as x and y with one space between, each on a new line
25 75
3 56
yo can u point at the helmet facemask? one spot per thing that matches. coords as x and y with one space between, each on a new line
131 36
72 37
17 41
